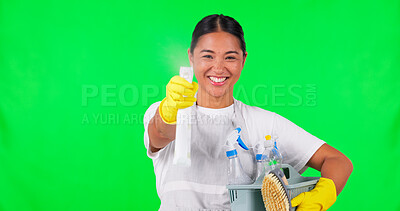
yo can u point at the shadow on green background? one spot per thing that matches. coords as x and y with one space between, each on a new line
76 78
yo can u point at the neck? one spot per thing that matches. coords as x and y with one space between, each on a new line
208 101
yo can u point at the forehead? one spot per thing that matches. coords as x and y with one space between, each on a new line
218 41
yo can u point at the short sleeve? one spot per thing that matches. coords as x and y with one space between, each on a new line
296 145
146 119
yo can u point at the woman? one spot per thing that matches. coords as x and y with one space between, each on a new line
217 55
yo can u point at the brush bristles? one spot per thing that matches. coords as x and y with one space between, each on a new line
274 195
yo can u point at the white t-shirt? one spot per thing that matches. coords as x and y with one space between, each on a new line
202 186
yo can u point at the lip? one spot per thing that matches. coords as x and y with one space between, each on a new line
218 83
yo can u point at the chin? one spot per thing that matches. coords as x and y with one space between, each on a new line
217 93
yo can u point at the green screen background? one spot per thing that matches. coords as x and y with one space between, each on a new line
76 78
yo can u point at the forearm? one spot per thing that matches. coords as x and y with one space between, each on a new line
160 133
337 169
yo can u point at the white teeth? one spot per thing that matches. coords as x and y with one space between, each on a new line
217 80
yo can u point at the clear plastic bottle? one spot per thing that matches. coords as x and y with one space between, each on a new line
259 165
263 149
236 174
268 146
275 157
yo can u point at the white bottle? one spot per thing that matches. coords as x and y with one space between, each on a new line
183 128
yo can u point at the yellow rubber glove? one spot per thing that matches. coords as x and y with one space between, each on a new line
180 94
318 199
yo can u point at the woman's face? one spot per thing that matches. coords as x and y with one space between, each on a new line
217 61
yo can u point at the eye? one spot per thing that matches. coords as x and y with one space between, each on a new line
230 58
207 56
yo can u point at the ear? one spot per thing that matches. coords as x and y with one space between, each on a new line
190 55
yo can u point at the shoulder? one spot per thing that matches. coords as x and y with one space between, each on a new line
255 112
261 115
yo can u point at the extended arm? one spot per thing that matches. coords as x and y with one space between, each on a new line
162 127
160 133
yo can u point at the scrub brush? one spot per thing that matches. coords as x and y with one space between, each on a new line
274 192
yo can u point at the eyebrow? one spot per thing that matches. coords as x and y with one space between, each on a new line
210 51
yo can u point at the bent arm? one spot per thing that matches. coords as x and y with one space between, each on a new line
333 165
160 133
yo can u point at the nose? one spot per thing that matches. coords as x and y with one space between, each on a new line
219 65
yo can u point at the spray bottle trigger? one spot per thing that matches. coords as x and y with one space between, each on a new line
241 143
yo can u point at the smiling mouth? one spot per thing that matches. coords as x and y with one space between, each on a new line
217 80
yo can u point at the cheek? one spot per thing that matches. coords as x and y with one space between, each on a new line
200 67
199 73
202 64
235 68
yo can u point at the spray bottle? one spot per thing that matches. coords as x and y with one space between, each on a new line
183 127
236 174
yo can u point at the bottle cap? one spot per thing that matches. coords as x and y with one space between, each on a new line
268 141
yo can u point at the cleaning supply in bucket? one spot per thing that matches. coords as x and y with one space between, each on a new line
249 197
262 150
274 193
183 128
275 158
268 146
236 174
259 149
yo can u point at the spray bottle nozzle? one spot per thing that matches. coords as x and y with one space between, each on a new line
231 139
241 143
239 139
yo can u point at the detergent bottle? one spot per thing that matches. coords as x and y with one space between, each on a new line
236 174
263 150
275 157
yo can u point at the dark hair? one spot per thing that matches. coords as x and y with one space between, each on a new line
215 23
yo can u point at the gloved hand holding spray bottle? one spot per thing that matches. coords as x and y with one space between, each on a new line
175 108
